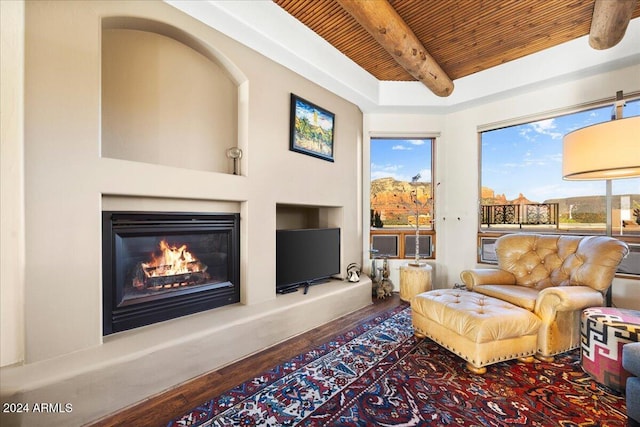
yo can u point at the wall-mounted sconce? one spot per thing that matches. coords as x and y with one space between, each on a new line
236 154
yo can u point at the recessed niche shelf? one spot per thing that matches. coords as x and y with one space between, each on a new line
291 216
165 102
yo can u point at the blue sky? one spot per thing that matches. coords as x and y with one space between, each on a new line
401 159
523 159
527 158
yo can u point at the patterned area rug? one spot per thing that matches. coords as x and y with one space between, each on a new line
379 374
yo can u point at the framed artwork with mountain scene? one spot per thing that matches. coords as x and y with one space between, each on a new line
311 129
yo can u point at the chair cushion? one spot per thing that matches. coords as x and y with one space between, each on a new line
532 258
518 295
478 317
541 261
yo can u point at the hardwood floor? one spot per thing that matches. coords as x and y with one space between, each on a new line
160 409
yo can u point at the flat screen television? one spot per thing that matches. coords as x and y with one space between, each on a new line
306 256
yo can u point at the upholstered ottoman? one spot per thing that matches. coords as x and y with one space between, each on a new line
480 329
603 332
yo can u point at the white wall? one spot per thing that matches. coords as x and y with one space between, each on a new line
457 163
12 182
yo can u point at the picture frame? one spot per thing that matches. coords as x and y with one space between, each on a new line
311 129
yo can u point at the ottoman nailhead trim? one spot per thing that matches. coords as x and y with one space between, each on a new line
473 362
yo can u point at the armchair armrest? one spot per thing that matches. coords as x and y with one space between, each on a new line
486 276
565 298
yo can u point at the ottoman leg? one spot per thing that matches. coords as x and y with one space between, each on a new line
419 334
528 359
478 371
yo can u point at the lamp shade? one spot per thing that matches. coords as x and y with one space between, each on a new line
608 150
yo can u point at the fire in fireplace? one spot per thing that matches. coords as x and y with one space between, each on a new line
159 266
172 267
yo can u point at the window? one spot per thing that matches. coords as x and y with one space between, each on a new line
402 196
522 187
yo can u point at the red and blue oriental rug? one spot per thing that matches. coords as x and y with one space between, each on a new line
379 374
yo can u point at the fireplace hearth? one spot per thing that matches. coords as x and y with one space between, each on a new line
159 266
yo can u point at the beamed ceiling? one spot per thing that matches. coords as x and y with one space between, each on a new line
462 36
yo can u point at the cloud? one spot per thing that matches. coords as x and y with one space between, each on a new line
546 127
396 172
525 132
386 168
385 171
512 165
404 147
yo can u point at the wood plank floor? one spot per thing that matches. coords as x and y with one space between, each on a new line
159 410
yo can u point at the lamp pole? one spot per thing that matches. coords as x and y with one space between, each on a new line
619 105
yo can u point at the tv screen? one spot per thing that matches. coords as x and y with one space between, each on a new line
306 256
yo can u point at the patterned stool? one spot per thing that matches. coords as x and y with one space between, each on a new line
604 330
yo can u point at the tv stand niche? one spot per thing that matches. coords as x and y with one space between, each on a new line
289 216
298 216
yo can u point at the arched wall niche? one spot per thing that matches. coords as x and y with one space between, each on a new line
168 98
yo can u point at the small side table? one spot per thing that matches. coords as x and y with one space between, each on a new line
414 280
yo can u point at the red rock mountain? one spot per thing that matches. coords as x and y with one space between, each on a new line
392 200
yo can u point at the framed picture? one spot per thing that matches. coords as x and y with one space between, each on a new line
311 129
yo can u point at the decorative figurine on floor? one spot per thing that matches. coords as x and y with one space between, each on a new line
382 286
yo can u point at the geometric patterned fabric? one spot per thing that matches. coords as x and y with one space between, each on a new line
604 330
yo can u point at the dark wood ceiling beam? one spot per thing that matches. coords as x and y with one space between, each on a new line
609 22
382 21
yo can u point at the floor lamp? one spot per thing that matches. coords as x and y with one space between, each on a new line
605 151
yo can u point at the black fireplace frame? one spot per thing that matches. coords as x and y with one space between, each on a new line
121 316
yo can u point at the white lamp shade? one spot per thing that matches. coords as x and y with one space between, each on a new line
609 150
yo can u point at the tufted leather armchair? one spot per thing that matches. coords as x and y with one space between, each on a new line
555 277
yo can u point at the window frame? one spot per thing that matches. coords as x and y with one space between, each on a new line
403 232
489 235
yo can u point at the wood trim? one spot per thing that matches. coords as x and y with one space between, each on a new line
401 233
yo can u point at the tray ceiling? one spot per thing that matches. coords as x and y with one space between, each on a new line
463 36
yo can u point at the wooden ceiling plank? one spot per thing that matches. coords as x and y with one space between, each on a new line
462 36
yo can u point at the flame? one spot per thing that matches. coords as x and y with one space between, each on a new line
171 261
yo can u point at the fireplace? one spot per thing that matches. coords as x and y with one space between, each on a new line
159 266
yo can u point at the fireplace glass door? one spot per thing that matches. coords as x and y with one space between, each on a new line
158 266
